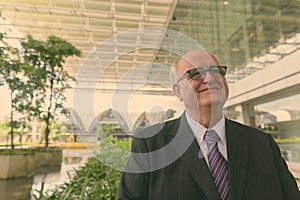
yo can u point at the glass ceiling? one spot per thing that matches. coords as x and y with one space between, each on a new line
246 35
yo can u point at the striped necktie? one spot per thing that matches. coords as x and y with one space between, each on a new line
217 163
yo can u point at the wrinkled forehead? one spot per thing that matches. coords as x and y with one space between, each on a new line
196 59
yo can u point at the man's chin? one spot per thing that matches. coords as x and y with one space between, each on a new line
211 103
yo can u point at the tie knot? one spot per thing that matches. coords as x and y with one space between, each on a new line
211 138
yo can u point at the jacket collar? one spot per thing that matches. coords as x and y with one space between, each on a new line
192 158
237 149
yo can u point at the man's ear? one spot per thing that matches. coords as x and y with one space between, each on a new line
176 90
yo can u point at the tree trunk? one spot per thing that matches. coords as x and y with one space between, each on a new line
47 131
12 138
11 122
49 116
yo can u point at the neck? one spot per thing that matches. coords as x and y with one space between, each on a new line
207 117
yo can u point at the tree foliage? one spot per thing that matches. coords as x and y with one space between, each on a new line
47 59
36 79
13 73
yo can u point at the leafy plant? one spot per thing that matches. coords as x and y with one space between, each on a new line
105 130
4 127
95 180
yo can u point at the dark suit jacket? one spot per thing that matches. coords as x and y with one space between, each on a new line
175 168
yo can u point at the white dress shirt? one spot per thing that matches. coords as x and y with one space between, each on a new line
199 132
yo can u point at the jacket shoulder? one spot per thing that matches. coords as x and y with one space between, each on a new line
246 130
156 136
153 130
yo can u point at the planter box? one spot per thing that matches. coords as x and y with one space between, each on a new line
16 163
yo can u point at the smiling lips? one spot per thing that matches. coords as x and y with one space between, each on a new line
206 89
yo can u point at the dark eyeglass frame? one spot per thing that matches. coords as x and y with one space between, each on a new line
213 70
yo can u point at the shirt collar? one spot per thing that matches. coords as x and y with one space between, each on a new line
199 129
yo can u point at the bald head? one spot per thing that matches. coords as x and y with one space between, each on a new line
196 59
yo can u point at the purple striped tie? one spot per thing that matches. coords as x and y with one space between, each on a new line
217 163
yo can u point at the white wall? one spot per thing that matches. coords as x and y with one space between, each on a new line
274 81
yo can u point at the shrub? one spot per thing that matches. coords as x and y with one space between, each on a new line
95 180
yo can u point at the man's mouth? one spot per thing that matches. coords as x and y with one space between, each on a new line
206 89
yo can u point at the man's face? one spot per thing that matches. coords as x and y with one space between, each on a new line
211 92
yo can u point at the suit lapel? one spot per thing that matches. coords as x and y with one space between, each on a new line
194 161
237 149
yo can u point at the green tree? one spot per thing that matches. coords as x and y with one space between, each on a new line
47 59
36 79
13 72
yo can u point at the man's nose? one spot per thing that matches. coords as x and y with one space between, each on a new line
208 77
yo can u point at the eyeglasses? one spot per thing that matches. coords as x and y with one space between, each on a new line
200 73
